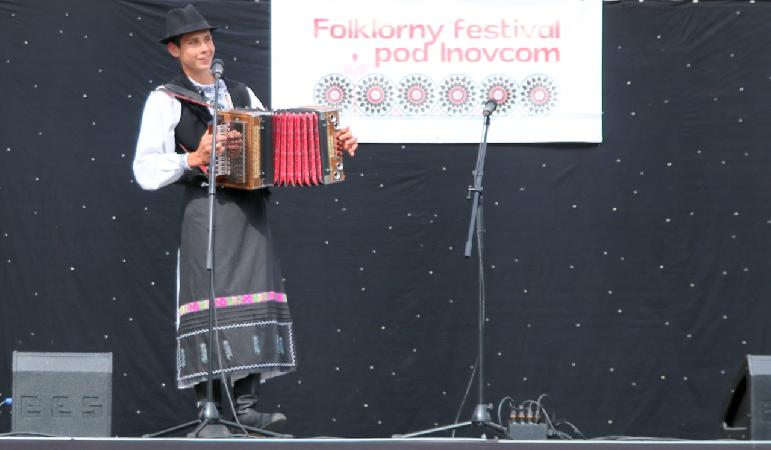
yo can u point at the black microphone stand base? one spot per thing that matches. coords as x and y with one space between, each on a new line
210 425
219 429
480 420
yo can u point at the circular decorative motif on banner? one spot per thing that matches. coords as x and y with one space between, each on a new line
334 90
504 90
539 94
416 94
458 94
375 95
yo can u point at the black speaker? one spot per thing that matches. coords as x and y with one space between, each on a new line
747 414
62 394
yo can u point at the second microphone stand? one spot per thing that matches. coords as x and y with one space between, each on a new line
481 416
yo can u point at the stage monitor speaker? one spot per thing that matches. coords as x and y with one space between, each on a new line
747 414
62 394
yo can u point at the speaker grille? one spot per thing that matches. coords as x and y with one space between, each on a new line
62 394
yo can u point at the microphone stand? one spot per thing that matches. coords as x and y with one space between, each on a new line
481 416
210 419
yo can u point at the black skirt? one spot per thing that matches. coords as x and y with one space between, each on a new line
253 326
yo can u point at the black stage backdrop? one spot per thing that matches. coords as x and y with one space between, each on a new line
626 280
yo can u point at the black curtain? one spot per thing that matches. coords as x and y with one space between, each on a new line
627 280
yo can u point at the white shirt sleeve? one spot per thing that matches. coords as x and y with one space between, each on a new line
254 102
156 164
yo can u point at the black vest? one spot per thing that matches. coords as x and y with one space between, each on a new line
195 118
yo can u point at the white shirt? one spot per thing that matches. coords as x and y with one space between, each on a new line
156 163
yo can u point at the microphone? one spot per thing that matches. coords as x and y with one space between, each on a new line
489 107
217 68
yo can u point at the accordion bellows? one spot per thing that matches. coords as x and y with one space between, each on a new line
291 147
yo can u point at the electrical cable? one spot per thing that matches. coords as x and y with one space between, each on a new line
638 438
534 412
562 435
573 427
27 434
500 405
481 318
547 419
465 395
541 409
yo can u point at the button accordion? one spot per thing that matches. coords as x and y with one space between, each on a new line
290 147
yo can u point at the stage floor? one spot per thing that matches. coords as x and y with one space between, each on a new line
28 443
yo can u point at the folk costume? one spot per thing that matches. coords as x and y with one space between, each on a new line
254 338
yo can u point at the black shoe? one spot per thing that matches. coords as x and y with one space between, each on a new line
249 416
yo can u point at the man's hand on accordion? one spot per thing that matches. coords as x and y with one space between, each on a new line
346 142
225 140
232 140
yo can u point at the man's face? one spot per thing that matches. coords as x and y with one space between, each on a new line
195 51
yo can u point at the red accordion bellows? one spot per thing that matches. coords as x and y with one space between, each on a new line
296 160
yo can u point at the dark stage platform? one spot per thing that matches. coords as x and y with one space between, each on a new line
26 443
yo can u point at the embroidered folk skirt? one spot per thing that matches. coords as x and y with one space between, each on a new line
253 326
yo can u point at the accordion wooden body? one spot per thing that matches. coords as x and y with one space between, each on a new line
292 147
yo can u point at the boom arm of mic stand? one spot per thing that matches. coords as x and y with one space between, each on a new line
477 187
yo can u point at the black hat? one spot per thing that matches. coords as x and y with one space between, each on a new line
184 20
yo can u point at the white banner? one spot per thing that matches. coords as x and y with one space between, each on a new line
420 70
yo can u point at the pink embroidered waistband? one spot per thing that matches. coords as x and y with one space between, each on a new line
233 300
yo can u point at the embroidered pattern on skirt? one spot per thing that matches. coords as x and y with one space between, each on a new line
233 300
286 359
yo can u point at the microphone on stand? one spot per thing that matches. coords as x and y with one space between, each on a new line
489 107
217 67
